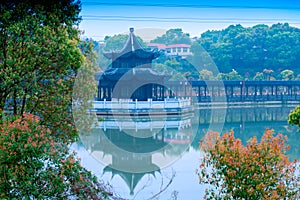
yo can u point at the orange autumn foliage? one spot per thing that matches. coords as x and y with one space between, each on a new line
35 166
257 170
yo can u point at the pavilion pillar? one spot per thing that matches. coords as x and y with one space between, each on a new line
152 91
109 93
260 90
173 92
158 92
272 89
103 92
241 92
199 95
155 92
106 93
170 93
98 92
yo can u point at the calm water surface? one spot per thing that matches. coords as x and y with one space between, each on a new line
138 156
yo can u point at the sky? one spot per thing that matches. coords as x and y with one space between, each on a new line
151 18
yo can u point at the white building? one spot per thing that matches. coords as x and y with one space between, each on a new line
182 50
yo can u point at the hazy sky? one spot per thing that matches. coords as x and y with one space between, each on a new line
101 18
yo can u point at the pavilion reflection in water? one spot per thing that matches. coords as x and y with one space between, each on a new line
133 147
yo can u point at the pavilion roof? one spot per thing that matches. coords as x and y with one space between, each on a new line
131 179
131 47
130 74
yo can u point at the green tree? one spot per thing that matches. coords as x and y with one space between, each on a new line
222 77
173 64
294 117
206 75
173 36
159 67
268 74
253 49
201 58
117 42
102 61
40 57
259 76
258 170
287 74
35 166
233 76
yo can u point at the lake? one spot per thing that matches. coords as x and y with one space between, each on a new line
139 155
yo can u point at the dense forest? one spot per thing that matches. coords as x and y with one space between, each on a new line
260 52
251 50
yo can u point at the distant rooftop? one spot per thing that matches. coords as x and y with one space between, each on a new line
163 46
182 50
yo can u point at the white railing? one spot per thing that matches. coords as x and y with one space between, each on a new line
120 104
145 125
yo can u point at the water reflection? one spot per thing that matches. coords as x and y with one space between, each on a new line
134 148
253 121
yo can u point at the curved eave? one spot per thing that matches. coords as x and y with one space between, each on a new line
139 53
126 74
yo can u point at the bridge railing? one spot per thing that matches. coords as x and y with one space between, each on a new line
249 98
233 91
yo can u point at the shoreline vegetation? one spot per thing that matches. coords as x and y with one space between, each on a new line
259 169
41 55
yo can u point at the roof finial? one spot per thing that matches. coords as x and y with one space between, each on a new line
131 30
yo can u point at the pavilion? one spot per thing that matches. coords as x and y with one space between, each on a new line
130 85
130 75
